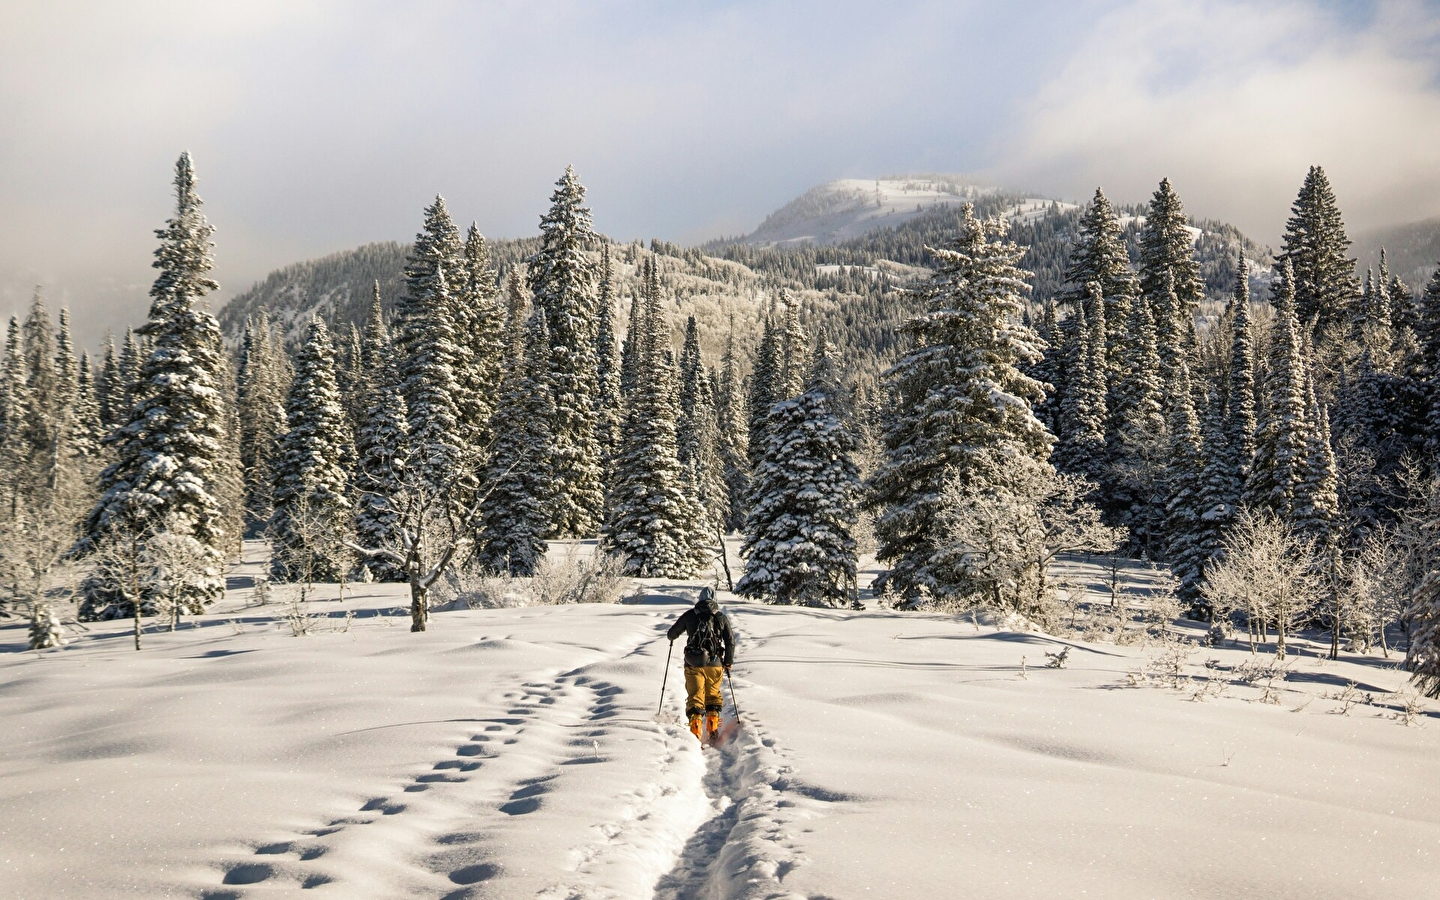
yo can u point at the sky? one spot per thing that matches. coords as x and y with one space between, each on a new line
322 125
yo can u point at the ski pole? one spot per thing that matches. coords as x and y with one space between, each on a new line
732 695
666 677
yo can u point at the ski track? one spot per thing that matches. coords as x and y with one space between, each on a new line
696 824
436 834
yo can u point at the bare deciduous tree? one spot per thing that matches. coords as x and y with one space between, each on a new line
1268 572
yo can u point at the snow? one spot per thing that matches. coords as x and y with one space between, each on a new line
517 753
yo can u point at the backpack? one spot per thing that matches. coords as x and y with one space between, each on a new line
706 641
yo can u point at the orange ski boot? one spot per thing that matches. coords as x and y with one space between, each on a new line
712 725
695 722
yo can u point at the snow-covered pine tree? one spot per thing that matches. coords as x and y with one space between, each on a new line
163 477
105 384
630 346
43 388
764 378
609 401
695 442
1239 443
1317 504
125 388
1423 657
312 503
1169 274
1137 455
1185 506
380 467
1099 255
86 430
1081 450
795 352
798 542
515 517
480 337
67 371
959 399
1427 334
1283 439
731 435
651 517
260 401
562 282
1315 245
1049 371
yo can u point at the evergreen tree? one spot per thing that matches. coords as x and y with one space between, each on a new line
261 414
125 389
798 542
380 471
67 369
652 518
1283 440
1315 245
515 516
312 505
1099 256
86 432
1427 333
480 332
1316 501
562 280
1082 447
731 436
1138 452
959 399
608 366
1186 549
794 353
1169 275
105 385
696 444
164 475
427 351
630 347
764 385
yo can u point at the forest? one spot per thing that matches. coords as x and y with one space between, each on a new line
964 399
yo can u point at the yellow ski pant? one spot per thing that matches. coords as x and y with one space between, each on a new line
702 689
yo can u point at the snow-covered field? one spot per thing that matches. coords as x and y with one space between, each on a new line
517 753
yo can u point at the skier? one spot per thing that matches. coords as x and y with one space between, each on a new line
709 652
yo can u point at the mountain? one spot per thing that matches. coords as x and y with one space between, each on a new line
844 210
844 251
1412 250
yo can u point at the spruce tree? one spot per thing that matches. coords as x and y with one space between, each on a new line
426 348
1083 411
1099 256
794 352
1283 440
652 518
1315 246
798 542
630 346
731 435
380 469
1137 454
515 516
764 384
261 412
1316 500
1427 334
562 281
105 384
608 366
480 339
959 399
163 478
86 431
1169 274
312 504
1186 549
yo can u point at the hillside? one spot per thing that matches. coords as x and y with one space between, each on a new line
1412 250
844 251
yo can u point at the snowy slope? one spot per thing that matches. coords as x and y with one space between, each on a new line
516 753
849 208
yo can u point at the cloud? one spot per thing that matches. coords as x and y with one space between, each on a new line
1234 101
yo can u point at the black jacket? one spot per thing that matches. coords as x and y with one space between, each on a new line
686 625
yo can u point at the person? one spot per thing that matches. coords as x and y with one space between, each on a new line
709 652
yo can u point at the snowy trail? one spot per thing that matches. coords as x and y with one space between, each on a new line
516 754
